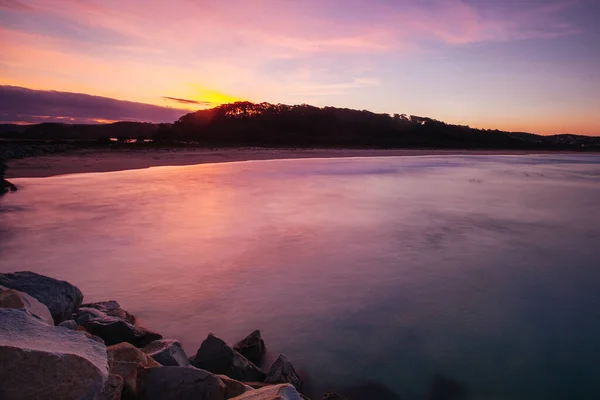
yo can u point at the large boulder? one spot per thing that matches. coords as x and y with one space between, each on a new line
39 361
124 360
232 387
282 371
167 352
275 392
218 357
252 347
112 309
179 383
61 298
114 330
11 298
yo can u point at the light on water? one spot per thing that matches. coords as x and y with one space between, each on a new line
482 269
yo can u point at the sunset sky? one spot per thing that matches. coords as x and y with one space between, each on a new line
514 65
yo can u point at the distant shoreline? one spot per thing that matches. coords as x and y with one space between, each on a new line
103 160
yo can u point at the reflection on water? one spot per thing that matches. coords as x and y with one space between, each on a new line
388 271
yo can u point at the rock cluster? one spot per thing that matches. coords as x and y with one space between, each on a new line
54 347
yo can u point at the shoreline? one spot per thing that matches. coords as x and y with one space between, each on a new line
102 160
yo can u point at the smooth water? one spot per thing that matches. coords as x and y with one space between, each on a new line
366 271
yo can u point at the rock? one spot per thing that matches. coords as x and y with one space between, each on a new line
61 298
218 357
69 324
179 383
114 330
333 396
113 388
112 309
124 360
6 186
282 371
252 347
89 335
84 314
232 387
39 361
167 352
275 392
11 298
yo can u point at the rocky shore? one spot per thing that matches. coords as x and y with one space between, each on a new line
54 346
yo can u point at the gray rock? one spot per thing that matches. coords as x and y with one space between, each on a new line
84 314
61 298
112 309
69 324
275 392
11 298
39 361
179 383
232 387
282 371
167 352
114 330
252 347
218 357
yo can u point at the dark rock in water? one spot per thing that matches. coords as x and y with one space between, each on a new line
167 352
69 324
274 392
41 361
114 330
61 298
218 357
333 396
179 383
282 371
252 347
11 298
6 186
84 314
112 309
445 389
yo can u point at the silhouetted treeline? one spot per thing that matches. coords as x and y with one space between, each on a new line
278 125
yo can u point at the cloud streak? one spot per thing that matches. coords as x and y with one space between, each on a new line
18 104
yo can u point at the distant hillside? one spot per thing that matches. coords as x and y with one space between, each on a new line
278 125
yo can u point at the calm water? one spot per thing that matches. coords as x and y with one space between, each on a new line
484 269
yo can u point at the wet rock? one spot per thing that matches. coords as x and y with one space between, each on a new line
89 335
113 388
282 371
114 330
61 298
69 324
167 352
124 360
252 347
39 361
218 357
232 387
275 392
84 314
112 309
11 298
179 383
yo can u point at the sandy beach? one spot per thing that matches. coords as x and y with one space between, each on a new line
82 161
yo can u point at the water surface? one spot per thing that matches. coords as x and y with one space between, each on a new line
387 271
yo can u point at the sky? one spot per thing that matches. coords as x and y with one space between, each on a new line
529 65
